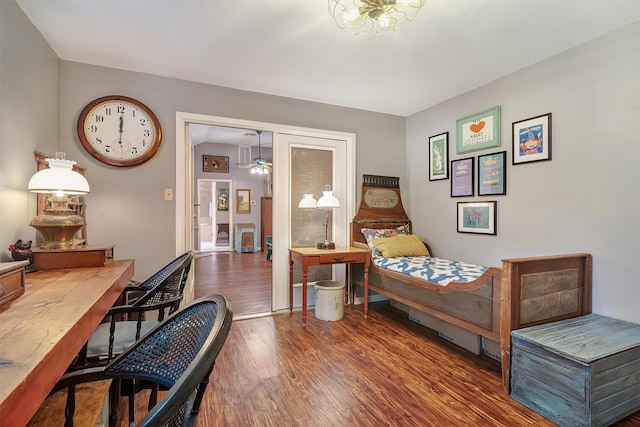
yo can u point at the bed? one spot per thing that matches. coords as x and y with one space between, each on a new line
492 301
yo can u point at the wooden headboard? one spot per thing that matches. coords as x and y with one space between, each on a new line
380 206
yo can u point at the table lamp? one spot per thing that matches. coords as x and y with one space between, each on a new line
59 224
327 202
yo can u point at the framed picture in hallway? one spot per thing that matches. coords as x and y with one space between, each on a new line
243 201
222 202
215 163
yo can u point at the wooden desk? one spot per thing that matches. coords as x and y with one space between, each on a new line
43 330
311 256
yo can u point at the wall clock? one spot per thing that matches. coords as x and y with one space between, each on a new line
119 131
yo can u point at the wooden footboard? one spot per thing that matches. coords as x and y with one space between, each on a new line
541 290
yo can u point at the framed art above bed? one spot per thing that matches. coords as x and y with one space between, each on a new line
439 157
477 217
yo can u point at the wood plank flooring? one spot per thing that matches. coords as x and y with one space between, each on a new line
384 371
245 279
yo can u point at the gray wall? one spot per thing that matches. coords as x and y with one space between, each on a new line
586 199
29 75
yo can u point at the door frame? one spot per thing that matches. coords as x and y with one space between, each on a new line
197 242
281 207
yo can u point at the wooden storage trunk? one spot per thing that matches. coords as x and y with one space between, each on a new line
583 371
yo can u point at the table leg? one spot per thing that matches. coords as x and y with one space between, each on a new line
366 288
290 285
346 283
305 269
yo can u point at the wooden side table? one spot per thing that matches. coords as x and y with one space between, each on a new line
311 256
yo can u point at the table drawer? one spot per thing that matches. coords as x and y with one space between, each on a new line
12 284
340 258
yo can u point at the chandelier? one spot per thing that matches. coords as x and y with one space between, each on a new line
373 16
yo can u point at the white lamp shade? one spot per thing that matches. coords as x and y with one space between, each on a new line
328 200
308 202
59 177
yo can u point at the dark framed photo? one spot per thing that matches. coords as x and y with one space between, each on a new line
478 131
477 217
462 177
492 174
532 139
215 163
439 157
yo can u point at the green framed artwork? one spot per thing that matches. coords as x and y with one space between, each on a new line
478 131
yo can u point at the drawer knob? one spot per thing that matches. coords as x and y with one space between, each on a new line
339 259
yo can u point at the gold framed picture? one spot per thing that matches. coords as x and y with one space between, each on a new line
243 201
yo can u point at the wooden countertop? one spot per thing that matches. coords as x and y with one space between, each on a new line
43 330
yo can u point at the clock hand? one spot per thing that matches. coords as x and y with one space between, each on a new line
121 124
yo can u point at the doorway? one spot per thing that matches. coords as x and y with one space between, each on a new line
213 220
284 136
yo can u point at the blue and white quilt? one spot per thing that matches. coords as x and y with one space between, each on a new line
435 270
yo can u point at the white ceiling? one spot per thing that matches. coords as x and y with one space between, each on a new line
293 48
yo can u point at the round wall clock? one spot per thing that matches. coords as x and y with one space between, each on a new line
119 131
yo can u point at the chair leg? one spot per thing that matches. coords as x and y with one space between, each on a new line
114 402
202 387
70 407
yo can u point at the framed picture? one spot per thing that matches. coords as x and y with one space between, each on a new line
462 177
243 201
492 174
478 131
439 157
222 202
215 163
477 217
532 139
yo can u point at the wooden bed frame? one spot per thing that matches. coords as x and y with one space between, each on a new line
524 292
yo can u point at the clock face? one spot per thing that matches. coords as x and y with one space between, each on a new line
119 131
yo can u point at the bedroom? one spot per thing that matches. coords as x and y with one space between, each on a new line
584 200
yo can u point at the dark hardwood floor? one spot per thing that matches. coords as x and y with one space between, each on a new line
384 371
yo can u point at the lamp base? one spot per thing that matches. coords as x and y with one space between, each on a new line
327 244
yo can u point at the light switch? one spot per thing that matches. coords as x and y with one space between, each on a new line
168 193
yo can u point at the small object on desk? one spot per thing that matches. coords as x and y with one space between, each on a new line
11 281
21 251
76 257
580 371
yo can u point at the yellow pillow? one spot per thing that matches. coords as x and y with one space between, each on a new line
403 245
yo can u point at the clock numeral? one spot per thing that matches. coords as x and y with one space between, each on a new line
144 142
107 148
93 128
107 111
143 122
99 140
134 150
99 118
146 132
121 109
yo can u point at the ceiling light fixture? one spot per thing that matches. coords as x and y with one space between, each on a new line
373 16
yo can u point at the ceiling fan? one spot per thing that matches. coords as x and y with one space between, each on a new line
259 165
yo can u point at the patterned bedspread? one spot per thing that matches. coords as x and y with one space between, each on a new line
435 270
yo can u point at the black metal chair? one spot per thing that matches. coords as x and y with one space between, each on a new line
124 324
178 355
